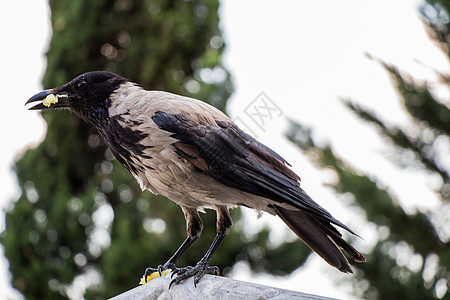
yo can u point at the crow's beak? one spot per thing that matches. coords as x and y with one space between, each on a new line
50 99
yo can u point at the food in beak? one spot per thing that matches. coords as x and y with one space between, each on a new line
52 99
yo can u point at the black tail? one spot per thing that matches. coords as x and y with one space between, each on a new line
321 237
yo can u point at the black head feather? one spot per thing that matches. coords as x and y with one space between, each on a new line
89 94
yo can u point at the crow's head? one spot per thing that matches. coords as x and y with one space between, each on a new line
87 95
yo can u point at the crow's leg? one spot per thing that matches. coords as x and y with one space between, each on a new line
194 227
223 227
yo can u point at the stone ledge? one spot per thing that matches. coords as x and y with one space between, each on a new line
211 287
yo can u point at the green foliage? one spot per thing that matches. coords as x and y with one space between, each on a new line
412 254
437 24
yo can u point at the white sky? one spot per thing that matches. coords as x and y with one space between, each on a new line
304 56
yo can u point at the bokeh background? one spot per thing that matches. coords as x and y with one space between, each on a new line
360 93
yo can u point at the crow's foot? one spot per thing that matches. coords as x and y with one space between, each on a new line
198 271
162 270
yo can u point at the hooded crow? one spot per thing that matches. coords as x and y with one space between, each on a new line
195 155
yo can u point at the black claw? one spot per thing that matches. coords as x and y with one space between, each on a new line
160 269
196 281
149 271
177 271
197 272
171 282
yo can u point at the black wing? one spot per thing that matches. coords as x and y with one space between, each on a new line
237 160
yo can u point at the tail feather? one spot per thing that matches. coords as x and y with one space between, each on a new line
321 237
337 238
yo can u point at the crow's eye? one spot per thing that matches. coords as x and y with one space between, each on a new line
81 85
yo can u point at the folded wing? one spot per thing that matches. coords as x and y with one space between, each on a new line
234 158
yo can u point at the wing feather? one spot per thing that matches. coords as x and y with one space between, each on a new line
234 158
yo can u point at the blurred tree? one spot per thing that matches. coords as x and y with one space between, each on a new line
411 259
81 226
